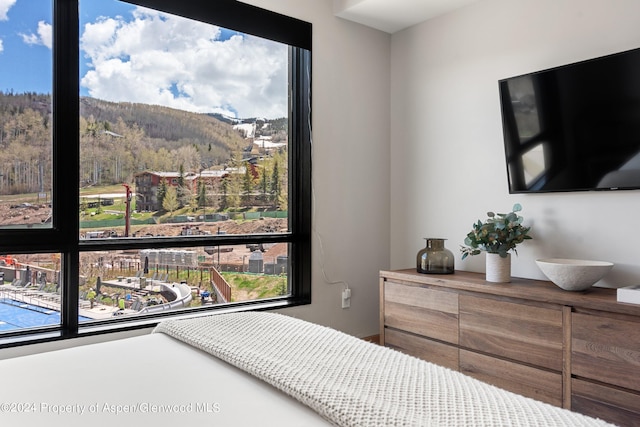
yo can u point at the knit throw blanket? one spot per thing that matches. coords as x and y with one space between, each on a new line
351 382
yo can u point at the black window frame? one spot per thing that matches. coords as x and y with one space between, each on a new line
63 236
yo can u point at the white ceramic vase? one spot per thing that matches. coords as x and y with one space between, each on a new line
498 269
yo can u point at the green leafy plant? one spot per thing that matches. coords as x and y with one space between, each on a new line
499 234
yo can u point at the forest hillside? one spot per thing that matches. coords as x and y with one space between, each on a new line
117 140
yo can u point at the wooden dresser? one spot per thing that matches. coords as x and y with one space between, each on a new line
578 350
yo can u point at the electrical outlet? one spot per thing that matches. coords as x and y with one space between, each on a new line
346 298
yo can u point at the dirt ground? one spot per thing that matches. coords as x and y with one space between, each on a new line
31 214
263 225
25 213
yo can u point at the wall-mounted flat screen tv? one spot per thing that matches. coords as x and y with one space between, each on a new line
574 127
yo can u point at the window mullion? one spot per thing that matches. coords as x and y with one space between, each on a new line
69 313
66 149
300 179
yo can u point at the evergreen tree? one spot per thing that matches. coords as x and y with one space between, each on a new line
202 194
247 184
181 176
275 182
224 203
183 193
162 192
264 181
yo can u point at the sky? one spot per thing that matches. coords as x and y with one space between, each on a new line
133 54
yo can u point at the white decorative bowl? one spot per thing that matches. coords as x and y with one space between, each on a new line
573 274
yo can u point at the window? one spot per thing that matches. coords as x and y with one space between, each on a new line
524 105
165 168
528 154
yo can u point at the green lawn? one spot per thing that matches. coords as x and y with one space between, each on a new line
255 286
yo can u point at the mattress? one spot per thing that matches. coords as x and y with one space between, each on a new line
150 380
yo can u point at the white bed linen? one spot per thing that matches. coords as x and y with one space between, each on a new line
146 373
358 384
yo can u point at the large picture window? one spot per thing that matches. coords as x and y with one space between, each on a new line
155 162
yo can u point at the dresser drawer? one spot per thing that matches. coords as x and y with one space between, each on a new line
423 311
536 383
517 331
617 406
606 349
433 351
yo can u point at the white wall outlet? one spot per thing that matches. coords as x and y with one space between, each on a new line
346 298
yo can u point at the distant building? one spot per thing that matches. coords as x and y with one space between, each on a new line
148 182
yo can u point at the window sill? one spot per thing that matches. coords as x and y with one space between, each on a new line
31 337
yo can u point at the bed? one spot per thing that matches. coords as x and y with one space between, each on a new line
254 369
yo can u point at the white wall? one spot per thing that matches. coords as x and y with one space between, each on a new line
447 159
351 128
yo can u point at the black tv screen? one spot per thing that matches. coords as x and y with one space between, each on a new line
575 127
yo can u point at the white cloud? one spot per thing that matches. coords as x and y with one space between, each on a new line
5 5
167 60
44 36
45 31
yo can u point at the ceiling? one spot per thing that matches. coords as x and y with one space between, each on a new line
394 15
